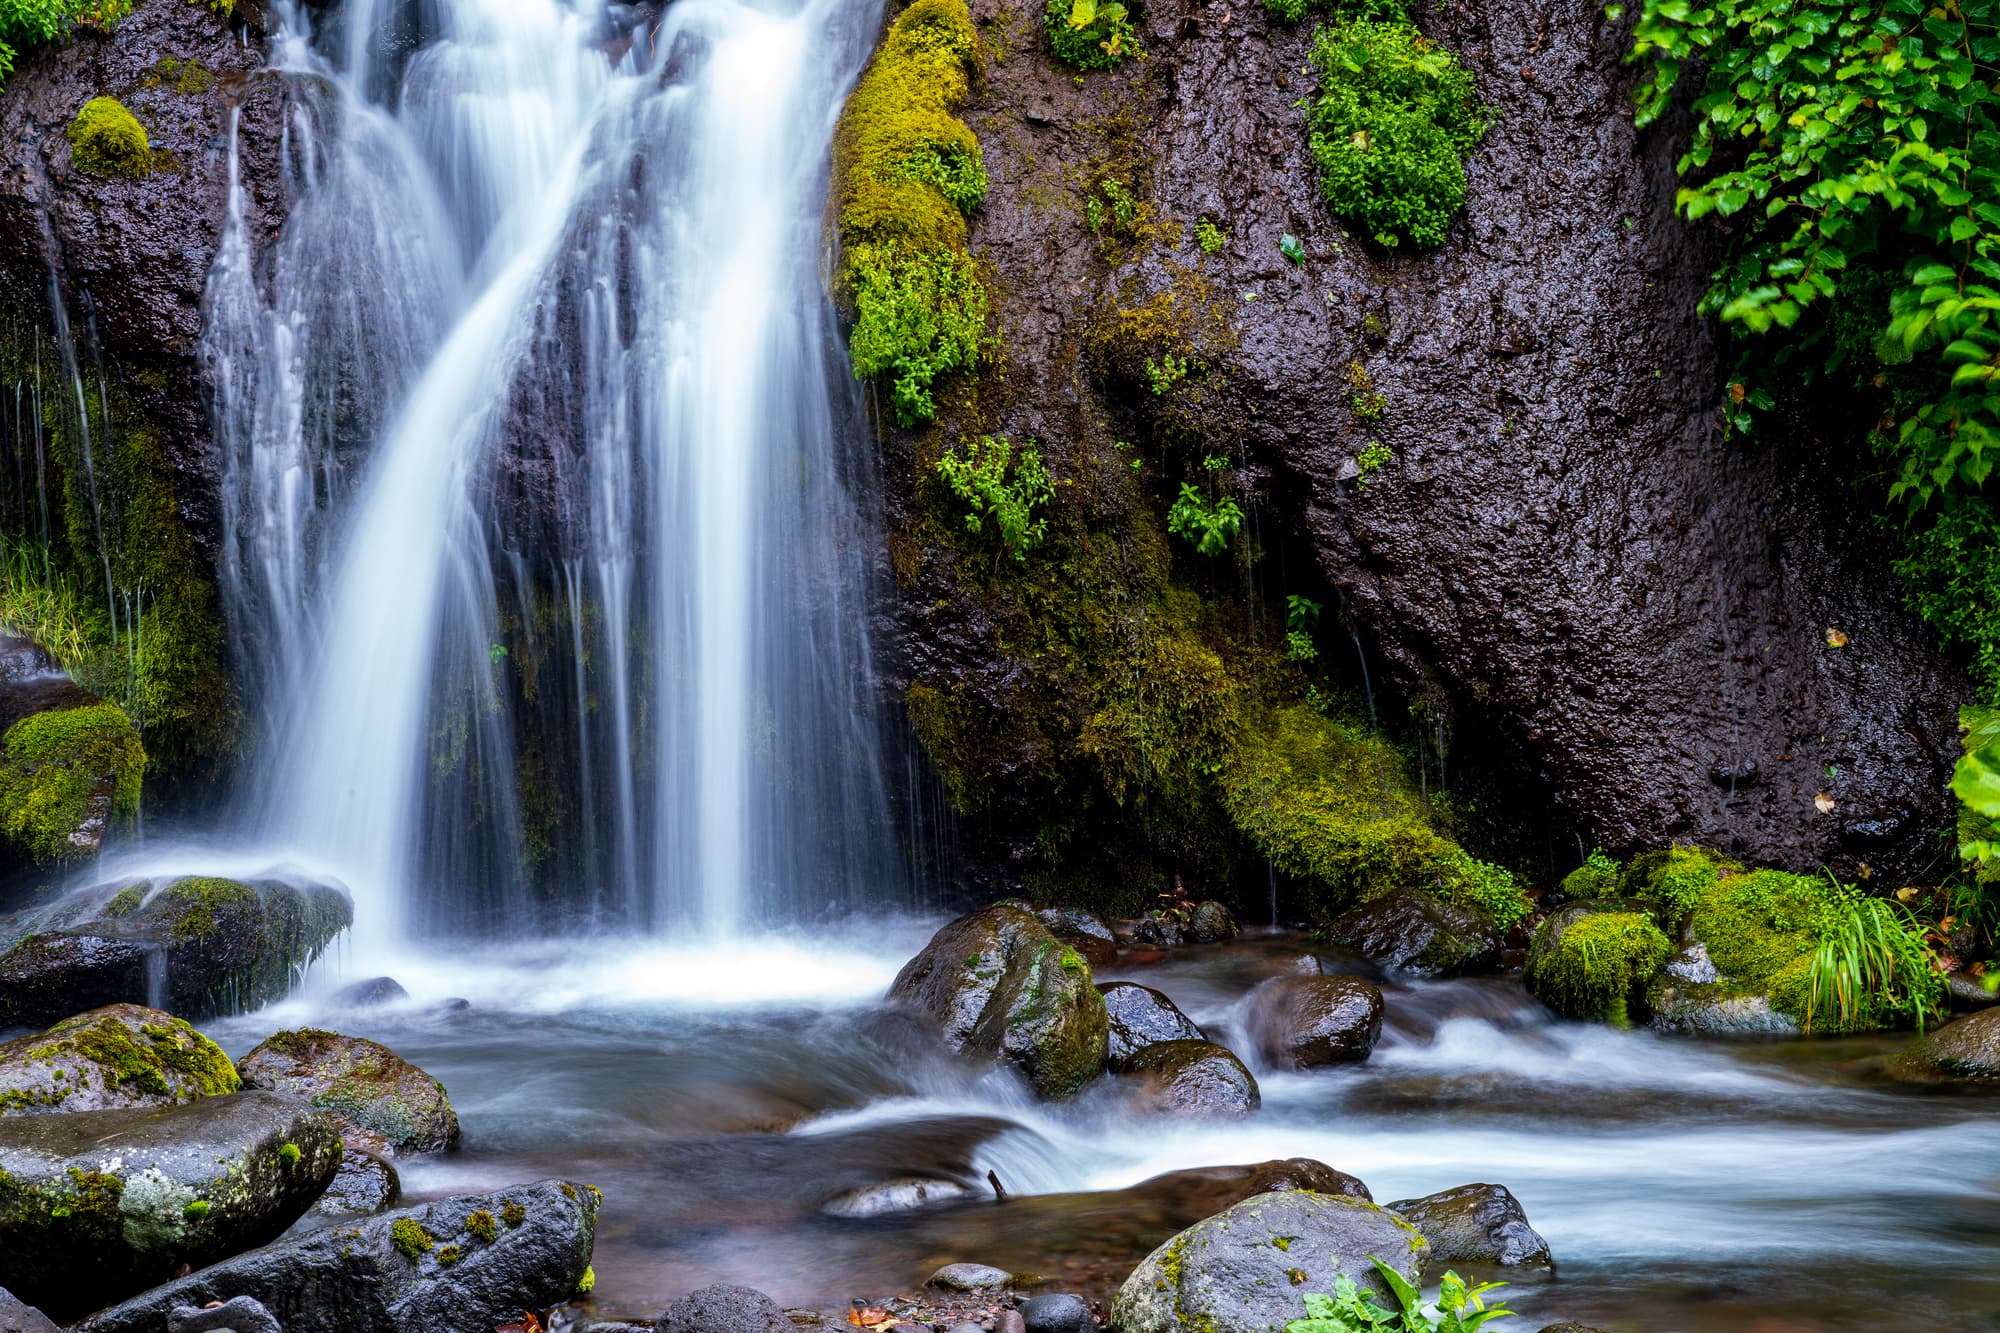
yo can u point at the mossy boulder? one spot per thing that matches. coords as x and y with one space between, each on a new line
205 947
1243 1270
362 1081
1413 931
1965 1049
466 1264
105 139
98 1205
115 1058
70 771
1595 960
1192 1078
999 985
1672 880
1306 1022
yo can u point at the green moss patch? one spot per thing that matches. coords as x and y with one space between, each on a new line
59 770
1591 965
107 140
906 172
410 1239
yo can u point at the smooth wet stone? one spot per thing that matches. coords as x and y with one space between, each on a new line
365 1184
1967 993
724 1308
445 1277
1211 923
362 1080
1413 931
241 1315
1306 1022
1965 1048
17 1317
115 1058
1476 1224
970 1277
1242 1271
1140 1016
1057 1312
893 1196
1086 932
1192 1078
998 985
1207 1190
100 1204
370 994
199 947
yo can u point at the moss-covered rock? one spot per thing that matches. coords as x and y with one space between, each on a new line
114 1058
107 140
1595 960
98 1205
1673 880
69 776
205 946
1412 931
1000 986
363 1081
1243 1270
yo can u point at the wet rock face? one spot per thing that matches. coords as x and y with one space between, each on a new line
97 1205
1242 1270
1140 1016
119 1057
1476 1224
1966 1048
1410 930
1305 1022
460 1265
18 1318
1563 540
362 1081
212 947
999 985
1193 1078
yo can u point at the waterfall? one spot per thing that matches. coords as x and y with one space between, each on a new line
551 552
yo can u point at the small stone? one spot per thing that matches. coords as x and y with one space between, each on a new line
1058 1312
370 994
1009 1321
1211 923
243 1314
1476 1224
724 1308
970 1277
967 1328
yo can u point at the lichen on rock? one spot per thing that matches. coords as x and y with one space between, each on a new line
363 1081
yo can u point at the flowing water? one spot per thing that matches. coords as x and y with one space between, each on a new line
722 1099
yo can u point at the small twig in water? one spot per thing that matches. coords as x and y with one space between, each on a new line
993 1179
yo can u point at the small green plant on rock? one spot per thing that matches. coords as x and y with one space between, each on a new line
1301 622
1165 373
1090 34
1390 127
1111 209
106 140
1872 957
1210 237
1211 523
1368 402
1009 486
1372 457
1461 1307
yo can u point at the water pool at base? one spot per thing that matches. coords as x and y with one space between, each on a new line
722 1096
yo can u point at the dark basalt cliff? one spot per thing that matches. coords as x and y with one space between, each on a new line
1565 546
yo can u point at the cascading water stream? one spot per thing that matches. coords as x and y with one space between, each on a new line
547 557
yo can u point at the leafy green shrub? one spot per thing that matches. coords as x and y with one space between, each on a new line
1951 577
1461 1308
1301 623
1090 34
26 23
906 172
1211 524
106 140
1007 485
1390 127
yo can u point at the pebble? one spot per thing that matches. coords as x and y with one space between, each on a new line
1058 1312
1010 1321
970 1277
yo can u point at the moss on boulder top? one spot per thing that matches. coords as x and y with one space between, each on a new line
107 140
362 1081
117 1057
1594 960
67 776
999 985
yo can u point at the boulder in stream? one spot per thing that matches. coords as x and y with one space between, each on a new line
115 1058
362 1081
1192 1078
1595 960
1476 1224
1140 1016
201 947
724 1308
1415 931
16 1317
1244 1270
1965 1048
1305 1022
459 1265
1211 923
97 1205
999 985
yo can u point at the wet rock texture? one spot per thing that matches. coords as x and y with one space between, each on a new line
1242 1270
120 1057
1966 1048
135 252
463 1265
1193 1078
1306 1022
1476 1224
100 1204
1565 546
1412 931
1141 1016
362 1081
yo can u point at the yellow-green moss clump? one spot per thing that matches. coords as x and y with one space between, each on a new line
1674 880
1328 801
410 1238
1589 964
106 140
66 773
906 172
